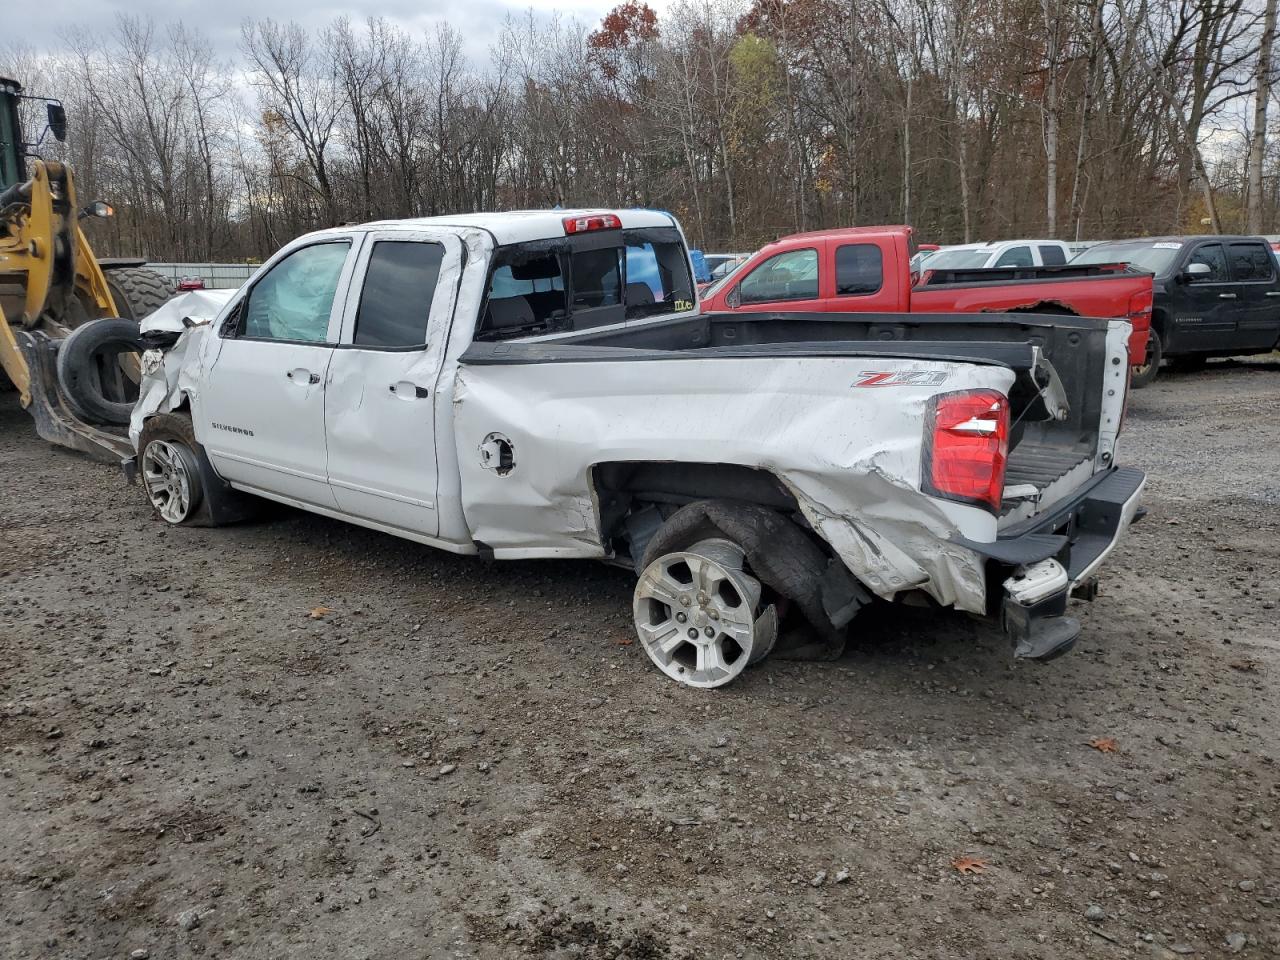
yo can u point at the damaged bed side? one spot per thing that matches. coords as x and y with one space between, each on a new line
626 453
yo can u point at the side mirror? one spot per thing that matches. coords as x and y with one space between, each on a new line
734 297
57 122
100 209
1197 271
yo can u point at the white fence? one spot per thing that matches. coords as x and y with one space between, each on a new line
216 276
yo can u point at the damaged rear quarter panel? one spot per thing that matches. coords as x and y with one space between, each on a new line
850 456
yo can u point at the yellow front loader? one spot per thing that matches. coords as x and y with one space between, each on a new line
51 285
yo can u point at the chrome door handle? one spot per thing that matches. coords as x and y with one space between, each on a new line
1273 293
300 375
409 391
1226 296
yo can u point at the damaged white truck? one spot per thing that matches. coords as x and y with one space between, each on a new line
540 384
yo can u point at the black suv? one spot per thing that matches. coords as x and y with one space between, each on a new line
1214 296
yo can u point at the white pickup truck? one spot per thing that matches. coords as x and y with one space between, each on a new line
540 384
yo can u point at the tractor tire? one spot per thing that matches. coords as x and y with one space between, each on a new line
137 291
89 370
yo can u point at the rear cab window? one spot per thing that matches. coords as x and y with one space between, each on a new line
566 284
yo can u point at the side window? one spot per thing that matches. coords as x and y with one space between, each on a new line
395 301
1215 257
1052 256
1250 261
294 299
792 275
859 269
1016 257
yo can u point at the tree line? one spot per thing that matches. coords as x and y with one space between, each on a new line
969 119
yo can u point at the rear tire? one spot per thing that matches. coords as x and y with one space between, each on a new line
90 374
1143 373
137 291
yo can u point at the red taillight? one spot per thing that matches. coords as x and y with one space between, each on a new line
1139 316
968 448
596 221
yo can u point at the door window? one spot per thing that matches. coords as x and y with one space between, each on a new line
294 299
1215 257
792 275
859 269
1052 256
1250 261
399 284
1016 257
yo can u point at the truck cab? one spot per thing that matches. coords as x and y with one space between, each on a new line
1214 296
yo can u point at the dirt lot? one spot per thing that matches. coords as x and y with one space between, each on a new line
459 759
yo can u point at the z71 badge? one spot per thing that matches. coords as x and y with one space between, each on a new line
900 378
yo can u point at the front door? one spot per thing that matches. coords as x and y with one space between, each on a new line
261 408
381 402
789 280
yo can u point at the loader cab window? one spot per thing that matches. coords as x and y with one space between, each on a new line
10 142
294 300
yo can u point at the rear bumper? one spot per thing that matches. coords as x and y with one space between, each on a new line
1050 555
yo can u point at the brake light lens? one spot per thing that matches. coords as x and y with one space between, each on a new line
1140 317
596 221
969 447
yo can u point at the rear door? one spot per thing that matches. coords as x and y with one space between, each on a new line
261 406
858 269
1258 299
380 407
1206 319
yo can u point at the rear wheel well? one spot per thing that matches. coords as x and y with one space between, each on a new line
1051 307
635 497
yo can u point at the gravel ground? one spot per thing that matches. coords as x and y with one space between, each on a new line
297 738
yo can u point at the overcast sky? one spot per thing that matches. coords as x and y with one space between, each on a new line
479 21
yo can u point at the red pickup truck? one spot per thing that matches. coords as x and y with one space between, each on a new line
867 269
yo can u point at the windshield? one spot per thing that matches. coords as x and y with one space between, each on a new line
957 259
723 279
1157 256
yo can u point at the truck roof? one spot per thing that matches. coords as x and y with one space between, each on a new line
519 226
1183 238
878 231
